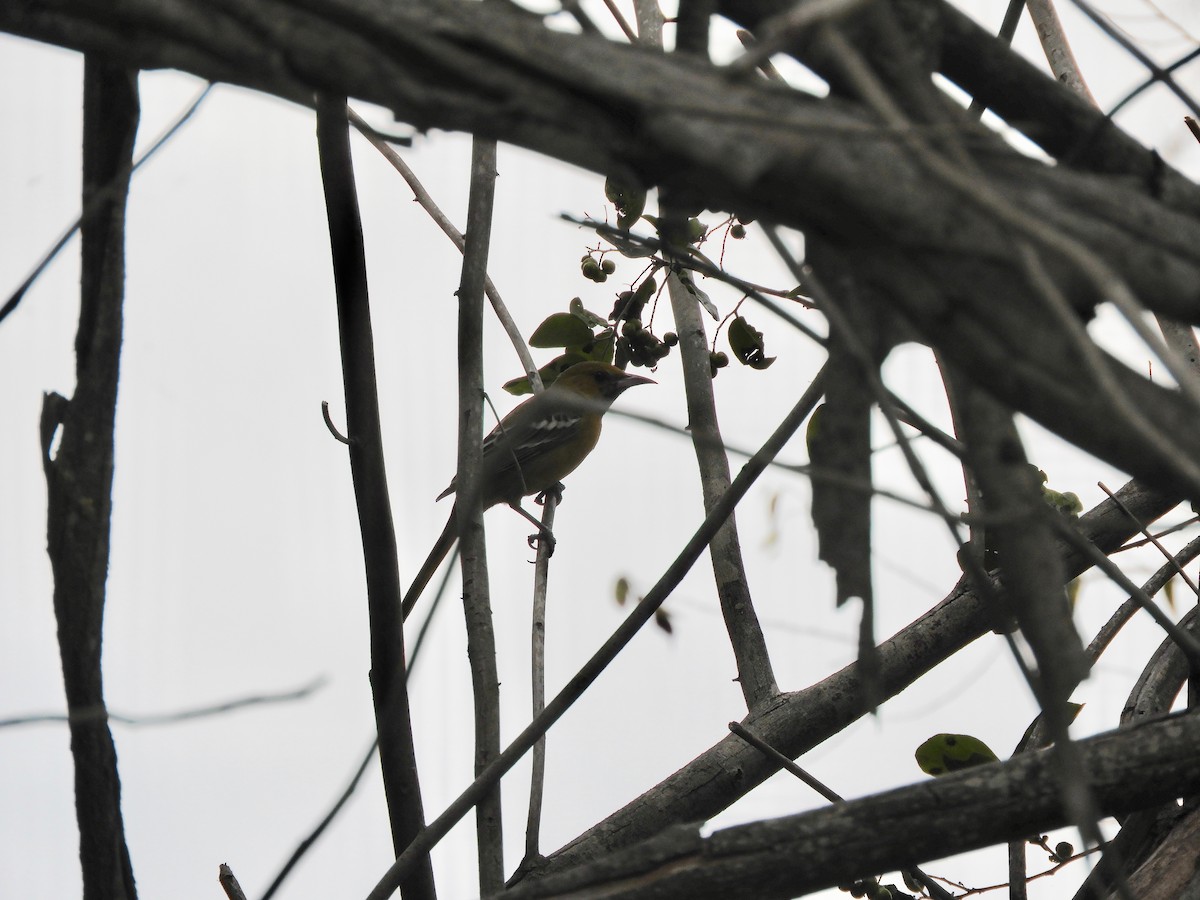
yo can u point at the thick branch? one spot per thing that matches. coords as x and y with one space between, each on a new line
388 679
79 478
1128 769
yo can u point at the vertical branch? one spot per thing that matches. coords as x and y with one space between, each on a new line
388 678
537 776
741 622
481 638
1058 51
733 590
79 478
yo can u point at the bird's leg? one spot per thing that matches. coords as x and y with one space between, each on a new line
544 533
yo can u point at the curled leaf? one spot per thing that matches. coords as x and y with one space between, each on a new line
685 278
628 199
747 345
663 620
585 315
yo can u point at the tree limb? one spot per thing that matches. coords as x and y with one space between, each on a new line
79 477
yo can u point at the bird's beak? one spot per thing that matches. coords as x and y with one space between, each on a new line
628 380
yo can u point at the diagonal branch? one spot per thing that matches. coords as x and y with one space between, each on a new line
801 720
1131 768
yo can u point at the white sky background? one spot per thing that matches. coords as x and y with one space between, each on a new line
236 563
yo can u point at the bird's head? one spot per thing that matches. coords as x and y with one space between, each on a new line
598 381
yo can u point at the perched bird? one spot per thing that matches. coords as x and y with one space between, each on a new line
534 447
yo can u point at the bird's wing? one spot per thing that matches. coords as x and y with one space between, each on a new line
507 447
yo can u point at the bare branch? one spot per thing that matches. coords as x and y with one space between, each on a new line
1131 768
369 474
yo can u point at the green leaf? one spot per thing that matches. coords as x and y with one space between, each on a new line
622 590
629 200
585 315
685 278
746 342
946 753
549 372
561 330
602 349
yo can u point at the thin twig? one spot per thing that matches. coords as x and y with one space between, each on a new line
1186 641
1056 47
337 435
1152 539
101 714
537 665
1159 73
777 32
305 845
1149 83
749 41
1125 611
1192 127
620 20
935 890
101 196
422 196
310 840
1008 27
229 883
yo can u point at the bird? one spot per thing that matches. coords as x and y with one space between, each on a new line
533 448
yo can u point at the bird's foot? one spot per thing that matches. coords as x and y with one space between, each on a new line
555 490
535 541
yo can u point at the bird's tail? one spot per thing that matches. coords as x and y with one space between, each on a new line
440 549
